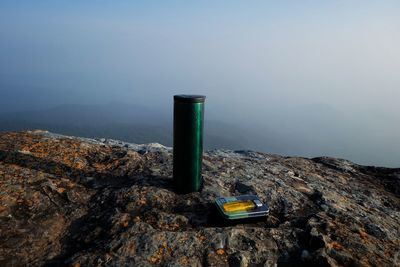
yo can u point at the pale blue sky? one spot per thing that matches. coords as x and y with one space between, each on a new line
320 49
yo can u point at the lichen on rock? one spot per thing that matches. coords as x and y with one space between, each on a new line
100 202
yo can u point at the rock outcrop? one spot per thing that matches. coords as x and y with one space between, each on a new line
85 202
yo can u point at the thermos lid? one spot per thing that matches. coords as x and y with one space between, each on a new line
189 98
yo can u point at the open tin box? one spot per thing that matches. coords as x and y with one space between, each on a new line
241 207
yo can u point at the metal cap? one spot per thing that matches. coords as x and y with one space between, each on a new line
189 98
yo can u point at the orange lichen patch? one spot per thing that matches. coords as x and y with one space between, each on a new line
363 234
77 264
36 195
80 165
162 250
124 221
102 167
201 237
2 208
60 190
170 227
131 248
155 259
64 150
71 184
184 261
220 251
215 259
142 202
335 245
39 149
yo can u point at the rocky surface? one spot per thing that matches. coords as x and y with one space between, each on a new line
84 202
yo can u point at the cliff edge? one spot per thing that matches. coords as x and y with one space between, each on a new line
98 202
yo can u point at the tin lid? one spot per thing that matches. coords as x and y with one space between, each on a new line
189 98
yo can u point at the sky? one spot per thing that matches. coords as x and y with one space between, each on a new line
259 63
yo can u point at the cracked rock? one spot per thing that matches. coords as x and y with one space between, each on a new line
71 201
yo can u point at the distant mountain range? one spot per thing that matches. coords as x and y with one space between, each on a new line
131 123
310 131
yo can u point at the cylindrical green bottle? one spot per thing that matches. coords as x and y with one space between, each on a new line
188 142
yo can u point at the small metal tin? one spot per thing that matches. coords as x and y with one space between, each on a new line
259 209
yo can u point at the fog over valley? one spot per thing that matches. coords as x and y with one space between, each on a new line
310 79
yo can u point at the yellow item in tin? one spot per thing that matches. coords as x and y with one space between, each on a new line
239 206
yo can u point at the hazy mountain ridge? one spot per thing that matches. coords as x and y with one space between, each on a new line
126 122
311 130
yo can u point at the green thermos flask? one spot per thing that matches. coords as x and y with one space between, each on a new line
188 142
